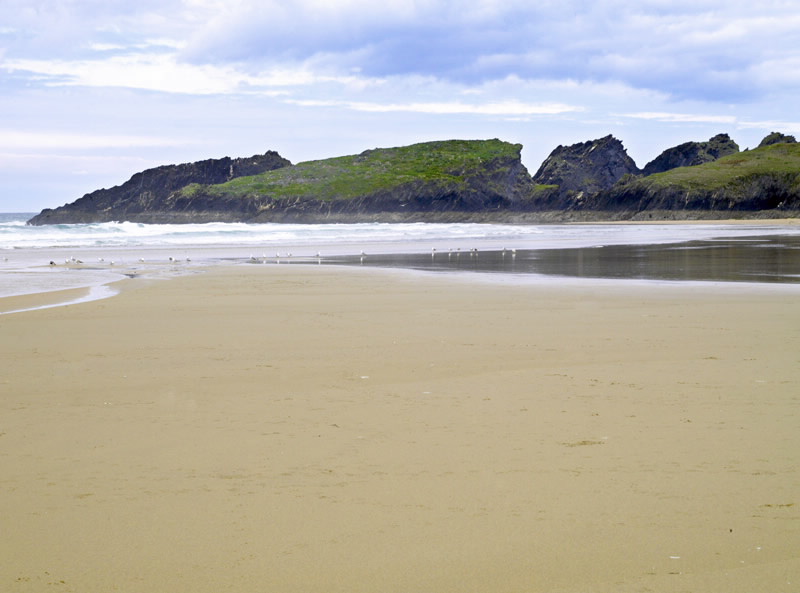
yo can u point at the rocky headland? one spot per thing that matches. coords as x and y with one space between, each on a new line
461 180
145 197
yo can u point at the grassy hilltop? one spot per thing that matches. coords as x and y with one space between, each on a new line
446 163
459 180
403 183
765 178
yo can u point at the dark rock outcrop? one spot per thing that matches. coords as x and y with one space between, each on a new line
448 180
690 154
442 181
460 180
764 180
759 194
147 192
776 138
583 169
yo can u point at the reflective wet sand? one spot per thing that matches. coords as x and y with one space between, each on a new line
774 259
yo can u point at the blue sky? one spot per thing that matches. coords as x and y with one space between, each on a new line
93 91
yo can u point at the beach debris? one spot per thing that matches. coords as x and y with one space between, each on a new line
583 443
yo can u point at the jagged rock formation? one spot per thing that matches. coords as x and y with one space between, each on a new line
584 169
776 138
459 180
448 180
763 181
419 182
690 154
147 192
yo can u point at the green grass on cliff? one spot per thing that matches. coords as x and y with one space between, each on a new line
776 159
446 163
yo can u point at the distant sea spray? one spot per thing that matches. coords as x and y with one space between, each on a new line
387 237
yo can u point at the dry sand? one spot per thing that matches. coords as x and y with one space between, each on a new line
291 429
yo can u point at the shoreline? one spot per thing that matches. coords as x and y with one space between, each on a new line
28 274
21 303
352 430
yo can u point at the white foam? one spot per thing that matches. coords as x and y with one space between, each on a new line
95 293
25 251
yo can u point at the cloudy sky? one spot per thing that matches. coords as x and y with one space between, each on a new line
96 90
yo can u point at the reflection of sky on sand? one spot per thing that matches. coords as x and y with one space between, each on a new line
745 253
773 259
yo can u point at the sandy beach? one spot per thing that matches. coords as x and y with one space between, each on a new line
313 429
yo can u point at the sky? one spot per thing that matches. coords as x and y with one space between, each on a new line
93 91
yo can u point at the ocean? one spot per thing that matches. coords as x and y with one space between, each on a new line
58 257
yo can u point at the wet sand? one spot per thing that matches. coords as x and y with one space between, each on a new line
290 428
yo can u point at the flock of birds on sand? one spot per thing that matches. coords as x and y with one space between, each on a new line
285 257
72 261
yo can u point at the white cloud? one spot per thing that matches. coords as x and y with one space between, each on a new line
688 49
502 108
786 127
16 140
156 72
682 117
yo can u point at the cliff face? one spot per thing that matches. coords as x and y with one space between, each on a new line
417 182
690 154
583 169
146 194
758 180
459 180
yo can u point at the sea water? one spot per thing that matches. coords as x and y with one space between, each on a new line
62 256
